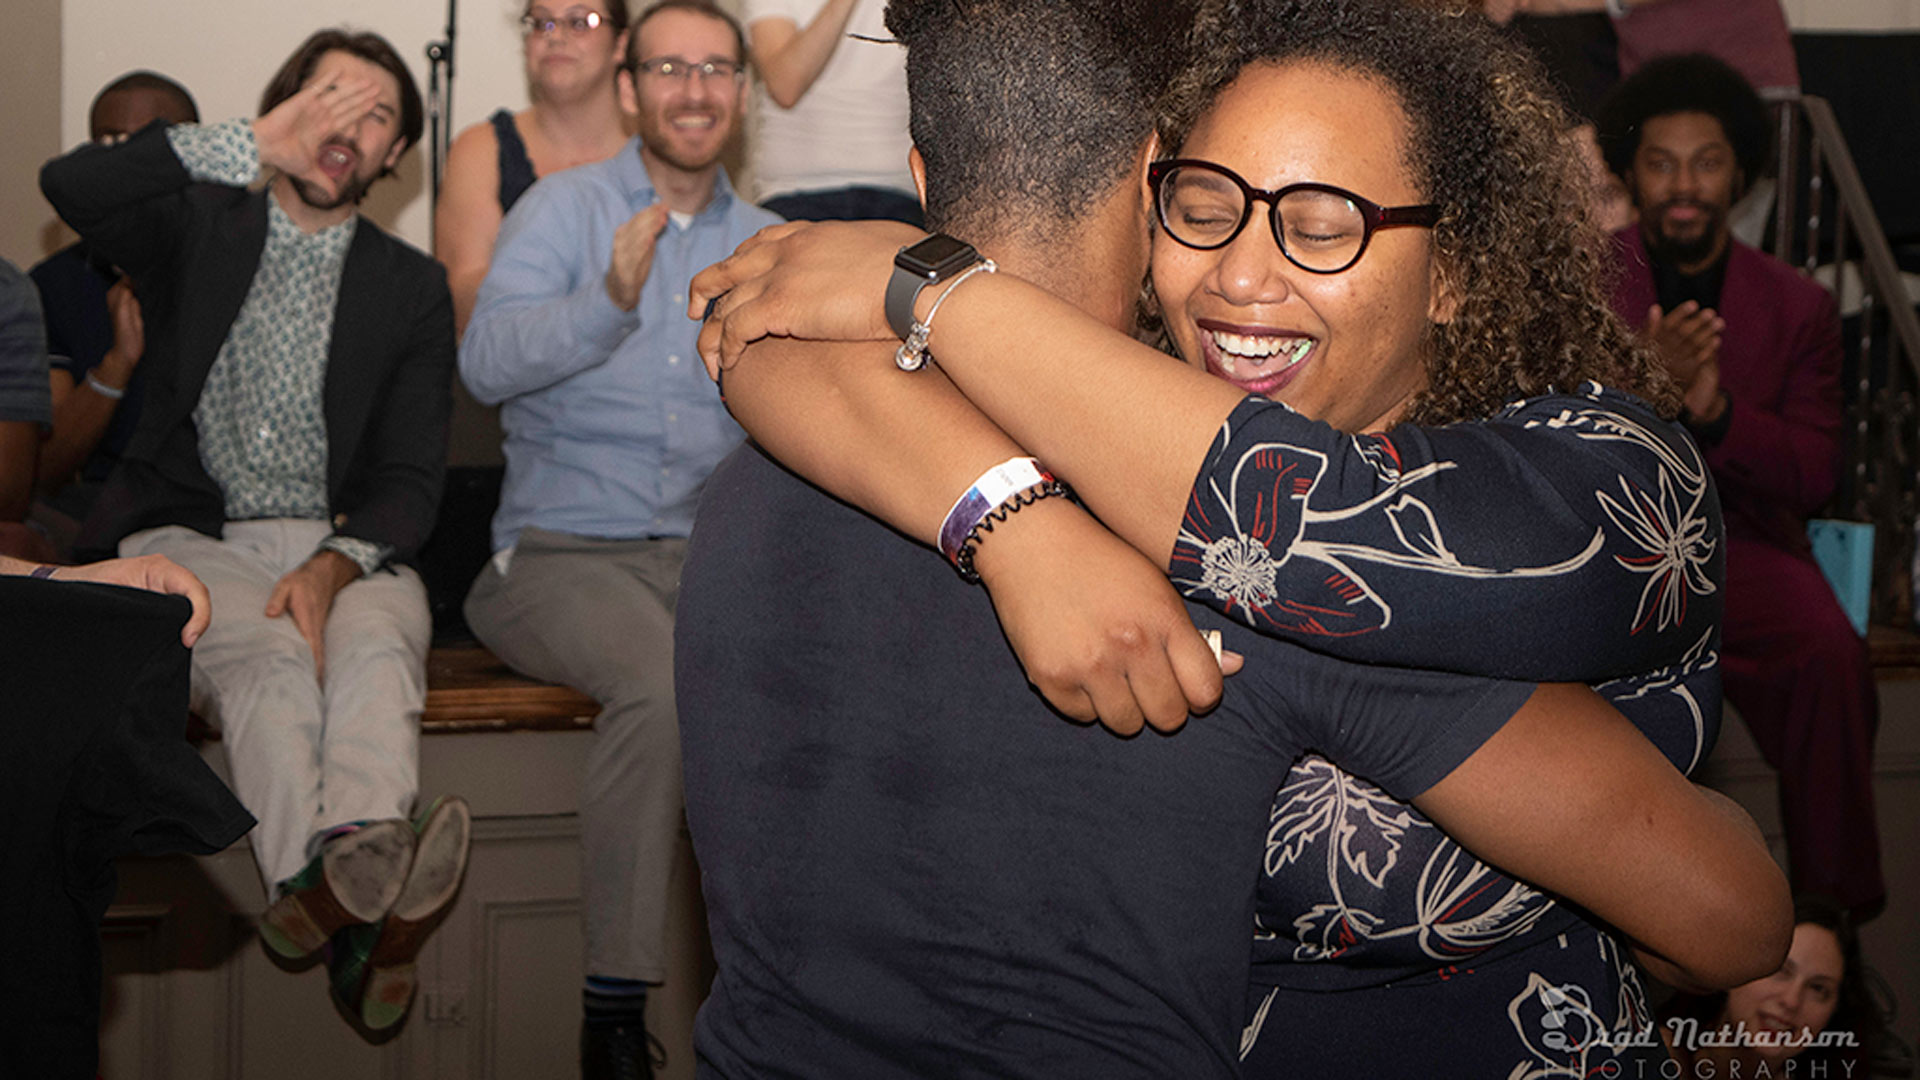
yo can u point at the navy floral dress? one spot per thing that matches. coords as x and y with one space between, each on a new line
1572 537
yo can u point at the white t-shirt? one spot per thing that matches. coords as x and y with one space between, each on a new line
850 128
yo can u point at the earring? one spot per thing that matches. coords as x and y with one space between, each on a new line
1149 327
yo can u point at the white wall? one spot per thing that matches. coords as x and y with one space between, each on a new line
1853 14
29 124
224 51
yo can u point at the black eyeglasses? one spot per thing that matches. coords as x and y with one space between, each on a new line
575 25
674 68
1320 228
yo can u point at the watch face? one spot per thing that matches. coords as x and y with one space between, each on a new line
937 256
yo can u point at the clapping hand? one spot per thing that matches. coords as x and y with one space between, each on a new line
1686 338
633 255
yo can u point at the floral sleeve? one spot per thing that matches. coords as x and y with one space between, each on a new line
1573 537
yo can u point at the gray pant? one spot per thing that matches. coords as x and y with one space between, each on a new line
597 615
305 755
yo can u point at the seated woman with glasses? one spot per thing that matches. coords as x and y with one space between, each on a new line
1418 447
572 55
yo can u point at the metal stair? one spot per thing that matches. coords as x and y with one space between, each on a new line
1824 223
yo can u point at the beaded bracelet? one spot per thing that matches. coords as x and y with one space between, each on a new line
912 355
963 561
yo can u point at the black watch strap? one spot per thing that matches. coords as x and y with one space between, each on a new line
916 266
903 288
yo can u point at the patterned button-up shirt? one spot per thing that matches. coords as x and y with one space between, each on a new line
263 431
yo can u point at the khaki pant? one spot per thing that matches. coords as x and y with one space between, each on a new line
597 615
305 755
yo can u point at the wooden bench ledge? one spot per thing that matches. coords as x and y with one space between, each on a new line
470 689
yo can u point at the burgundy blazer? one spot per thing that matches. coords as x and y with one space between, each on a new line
1780 367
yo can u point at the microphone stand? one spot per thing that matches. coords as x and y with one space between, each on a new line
440 104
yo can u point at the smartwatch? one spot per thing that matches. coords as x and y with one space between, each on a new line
917 266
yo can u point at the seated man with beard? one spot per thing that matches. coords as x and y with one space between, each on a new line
290 453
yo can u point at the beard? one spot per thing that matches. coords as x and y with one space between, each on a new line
353 188
350 193
1683 250
658 138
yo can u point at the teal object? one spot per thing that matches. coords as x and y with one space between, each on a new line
1844 550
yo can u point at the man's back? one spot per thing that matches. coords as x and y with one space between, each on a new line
913 867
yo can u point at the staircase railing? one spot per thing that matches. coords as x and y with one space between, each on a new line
1823 217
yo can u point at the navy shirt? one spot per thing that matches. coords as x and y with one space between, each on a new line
73 297
914 868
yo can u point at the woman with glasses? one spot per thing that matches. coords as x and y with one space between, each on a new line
1414 449
573 51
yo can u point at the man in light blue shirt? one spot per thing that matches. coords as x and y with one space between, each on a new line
580 335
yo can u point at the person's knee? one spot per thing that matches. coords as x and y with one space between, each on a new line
264 650
634 751
626 663
395 623
1792 618
265 698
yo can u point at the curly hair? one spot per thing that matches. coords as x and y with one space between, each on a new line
1487 143
1691 82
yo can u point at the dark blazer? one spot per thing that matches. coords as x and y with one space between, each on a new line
1780 366
194 248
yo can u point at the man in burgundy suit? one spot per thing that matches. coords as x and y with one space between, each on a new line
1756 350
